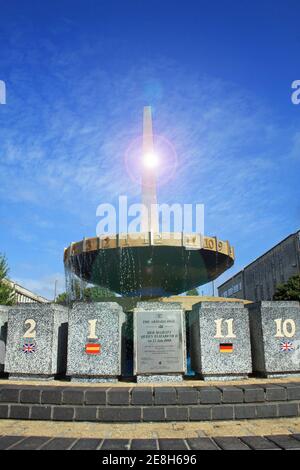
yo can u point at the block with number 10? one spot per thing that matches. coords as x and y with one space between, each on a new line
275 338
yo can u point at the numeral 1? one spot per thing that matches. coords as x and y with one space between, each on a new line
92 329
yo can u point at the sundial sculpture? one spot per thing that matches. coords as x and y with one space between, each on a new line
149 264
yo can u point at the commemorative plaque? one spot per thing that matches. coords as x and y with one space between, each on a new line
159 335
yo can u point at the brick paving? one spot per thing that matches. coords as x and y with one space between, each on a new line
280 442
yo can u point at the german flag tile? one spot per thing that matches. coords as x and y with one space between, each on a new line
226 347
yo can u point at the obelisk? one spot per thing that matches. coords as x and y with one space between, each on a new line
149 198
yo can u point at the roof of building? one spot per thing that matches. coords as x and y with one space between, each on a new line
26 292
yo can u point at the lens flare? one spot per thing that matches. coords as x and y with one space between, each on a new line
164 160
150 160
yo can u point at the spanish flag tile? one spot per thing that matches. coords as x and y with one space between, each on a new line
92 348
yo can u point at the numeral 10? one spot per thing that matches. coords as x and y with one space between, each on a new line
286 328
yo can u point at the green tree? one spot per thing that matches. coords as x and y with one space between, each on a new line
7 294
62 298
90 294
192 292
96 293
289 290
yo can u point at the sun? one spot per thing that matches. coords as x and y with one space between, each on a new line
150 160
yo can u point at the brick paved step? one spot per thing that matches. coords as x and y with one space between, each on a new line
149 404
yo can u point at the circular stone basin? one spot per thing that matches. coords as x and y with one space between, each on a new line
149 264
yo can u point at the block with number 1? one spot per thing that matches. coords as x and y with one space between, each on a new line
94 342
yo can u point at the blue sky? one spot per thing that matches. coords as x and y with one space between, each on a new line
78 74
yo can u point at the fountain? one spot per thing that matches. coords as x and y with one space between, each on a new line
149 264
91 341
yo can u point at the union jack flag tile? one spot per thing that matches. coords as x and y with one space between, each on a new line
286 346
29 348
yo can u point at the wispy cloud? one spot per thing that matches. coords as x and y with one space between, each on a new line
64 137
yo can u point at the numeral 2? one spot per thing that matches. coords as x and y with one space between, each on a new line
30 333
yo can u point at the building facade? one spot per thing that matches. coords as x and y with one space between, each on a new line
24 295
259 280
